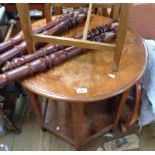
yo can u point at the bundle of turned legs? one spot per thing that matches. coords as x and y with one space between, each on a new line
16 64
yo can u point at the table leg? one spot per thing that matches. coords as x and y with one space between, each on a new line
121 107
137 104
45 106
36 108
78 124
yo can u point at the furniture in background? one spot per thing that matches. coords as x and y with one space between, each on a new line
11 9
3 19
142 20
9 93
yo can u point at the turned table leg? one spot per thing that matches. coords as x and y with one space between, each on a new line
36 108
78 121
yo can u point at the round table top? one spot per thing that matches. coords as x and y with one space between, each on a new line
87 77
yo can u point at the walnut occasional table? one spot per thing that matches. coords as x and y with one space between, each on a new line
81 117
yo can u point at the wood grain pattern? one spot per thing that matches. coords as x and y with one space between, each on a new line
92 70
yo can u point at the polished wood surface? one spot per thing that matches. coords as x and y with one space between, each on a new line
91 71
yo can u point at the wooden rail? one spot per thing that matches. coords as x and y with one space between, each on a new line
72 42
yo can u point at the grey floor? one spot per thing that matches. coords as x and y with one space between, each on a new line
32 138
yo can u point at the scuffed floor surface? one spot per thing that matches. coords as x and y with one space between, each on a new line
32 138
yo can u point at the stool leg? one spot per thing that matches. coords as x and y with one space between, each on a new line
36 108
78 124
120 108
